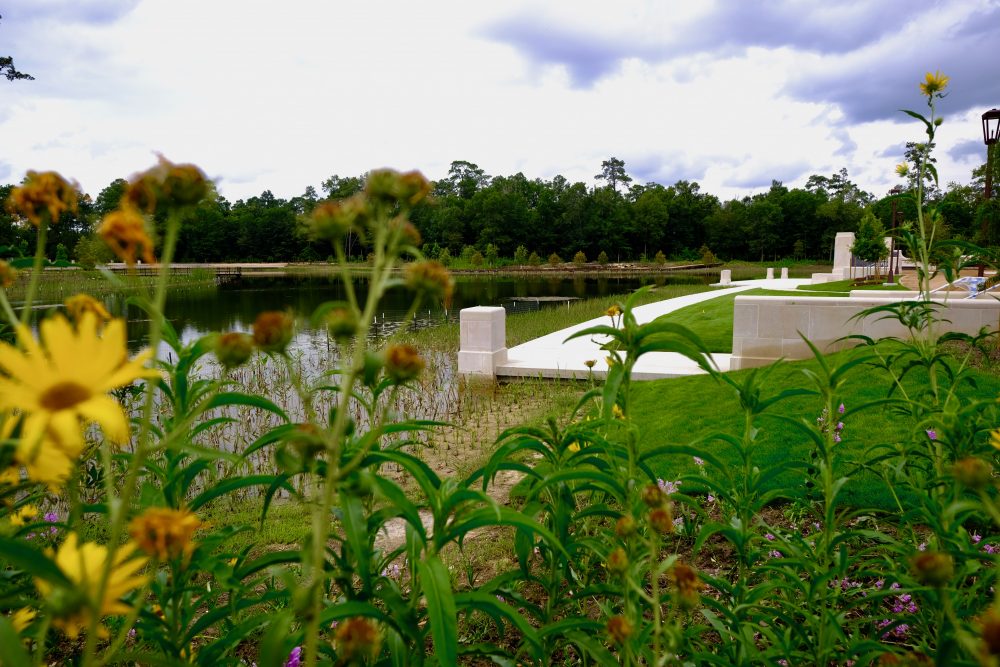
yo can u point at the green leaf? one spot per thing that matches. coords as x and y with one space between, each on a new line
14 654
435 581
32 561
273 649
226 398
232 484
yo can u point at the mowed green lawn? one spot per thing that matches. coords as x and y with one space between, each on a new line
684 410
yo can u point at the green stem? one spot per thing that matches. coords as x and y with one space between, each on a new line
36 268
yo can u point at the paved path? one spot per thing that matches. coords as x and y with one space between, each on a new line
552 356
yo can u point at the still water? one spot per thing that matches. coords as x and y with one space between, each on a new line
197 312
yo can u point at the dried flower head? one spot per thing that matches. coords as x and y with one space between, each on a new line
389 187
166 185
403 363
357 639
590 363
662 519
432 278
934 84
45 193
233 349
619 629
124 230
404 232
273 330
78 304
933 568
625 526
164 532
342 323
653 495
617 561
8 275
989 630
687 585
332 221
973 472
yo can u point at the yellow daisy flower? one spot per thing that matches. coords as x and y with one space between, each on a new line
60 383
22 618
83 564
23 516
934 84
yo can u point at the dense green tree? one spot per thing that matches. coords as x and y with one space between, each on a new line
869 241
613 173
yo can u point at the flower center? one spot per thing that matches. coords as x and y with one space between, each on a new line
64 395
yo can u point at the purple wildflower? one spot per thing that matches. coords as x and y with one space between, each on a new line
841 409
775 554
932 434
294 658
769 537
990 548
699 461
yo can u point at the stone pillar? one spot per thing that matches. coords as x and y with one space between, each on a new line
842 253
482 340
770 273
727 277
784 273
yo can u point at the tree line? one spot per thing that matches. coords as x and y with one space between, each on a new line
496 215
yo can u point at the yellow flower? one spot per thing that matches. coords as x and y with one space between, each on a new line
78 304
573 447
60 383
617 412
934 84
614 311
8 275
83 564
23 515
124 230
12 475
902 169
995 438
164 532
22 618
45 192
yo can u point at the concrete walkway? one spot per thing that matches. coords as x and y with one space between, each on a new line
552 356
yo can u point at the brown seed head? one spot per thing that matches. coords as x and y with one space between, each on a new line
403 363
166 186
619 629
625 526
357 639
44 193
432 278
124 230
404 231
617 561
973 472
272 330
989 629
412 188
332 221
8 275
911 659
662 519
653 495
687 585
932 568
233 349
164 532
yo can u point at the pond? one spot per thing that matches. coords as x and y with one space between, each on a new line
198 312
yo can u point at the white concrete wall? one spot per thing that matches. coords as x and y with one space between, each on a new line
482 340
767 328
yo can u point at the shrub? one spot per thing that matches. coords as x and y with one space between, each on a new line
579 258
520 255
467 253
476 259
61 252
706 255
492 254
660 258
554 259
602 258
444 257
534 259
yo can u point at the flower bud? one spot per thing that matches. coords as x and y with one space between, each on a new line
8 275
662 519
403 363
932 568
342 323
625 526
617 561
272 330
307 441
432 278
79 304
973 472
332 221
184 184
688 585
619 629
653 495
233 349
357 640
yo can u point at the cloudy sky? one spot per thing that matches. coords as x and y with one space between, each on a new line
282 95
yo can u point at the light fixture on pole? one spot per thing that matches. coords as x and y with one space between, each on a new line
991 132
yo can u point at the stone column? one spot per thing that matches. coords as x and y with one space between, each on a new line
842 253
784 273
770 273
482 340
727 277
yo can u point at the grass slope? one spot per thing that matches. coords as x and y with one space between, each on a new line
683 410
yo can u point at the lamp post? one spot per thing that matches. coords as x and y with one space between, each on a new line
896 222
991 128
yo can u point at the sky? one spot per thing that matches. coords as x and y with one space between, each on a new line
268 95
